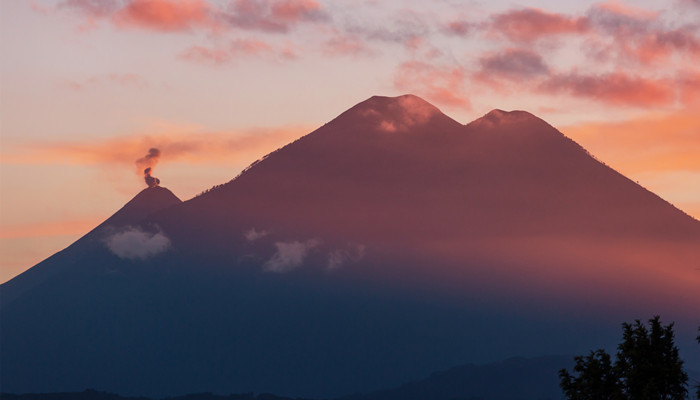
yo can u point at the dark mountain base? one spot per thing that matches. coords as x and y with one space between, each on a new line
512 379
96 395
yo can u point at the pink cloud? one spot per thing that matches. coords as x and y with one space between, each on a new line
459 28
207 55
439 85
614 88
91 8
272 16
530 24
297 10
345 44
640 35
513 64
163 15
184 15
237 48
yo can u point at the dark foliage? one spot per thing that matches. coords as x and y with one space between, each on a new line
647 367
596 378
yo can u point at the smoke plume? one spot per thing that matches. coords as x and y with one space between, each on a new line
147 163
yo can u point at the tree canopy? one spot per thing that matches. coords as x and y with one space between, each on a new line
646 367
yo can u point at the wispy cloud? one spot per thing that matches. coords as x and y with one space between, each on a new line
185 145
530 24
607 54
253 234
278 16
617 88
129 80
237 49
351 254
346 44
513 64
639 35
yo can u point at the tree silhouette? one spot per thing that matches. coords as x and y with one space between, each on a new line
647 367
596 378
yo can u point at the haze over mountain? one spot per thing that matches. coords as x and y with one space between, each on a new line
387 244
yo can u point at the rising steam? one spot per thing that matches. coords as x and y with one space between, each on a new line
147 163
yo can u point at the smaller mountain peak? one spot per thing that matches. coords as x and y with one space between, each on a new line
146 202
498 118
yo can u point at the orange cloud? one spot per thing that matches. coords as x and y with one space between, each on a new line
185 145
530 24
616 88
55 228
651 143
163 15
690 88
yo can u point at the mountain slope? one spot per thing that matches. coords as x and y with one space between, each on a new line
133 212
507 190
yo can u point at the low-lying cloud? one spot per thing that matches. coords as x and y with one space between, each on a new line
289 255
339 257
137 244
253 234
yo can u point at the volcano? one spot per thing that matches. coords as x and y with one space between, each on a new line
389 243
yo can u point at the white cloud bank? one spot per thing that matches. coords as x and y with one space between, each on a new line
136 244
289 255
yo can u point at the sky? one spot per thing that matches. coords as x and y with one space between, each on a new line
87 87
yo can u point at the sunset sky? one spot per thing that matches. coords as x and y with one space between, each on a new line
88 86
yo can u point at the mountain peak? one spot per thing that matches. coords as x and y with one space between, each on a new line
395 114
